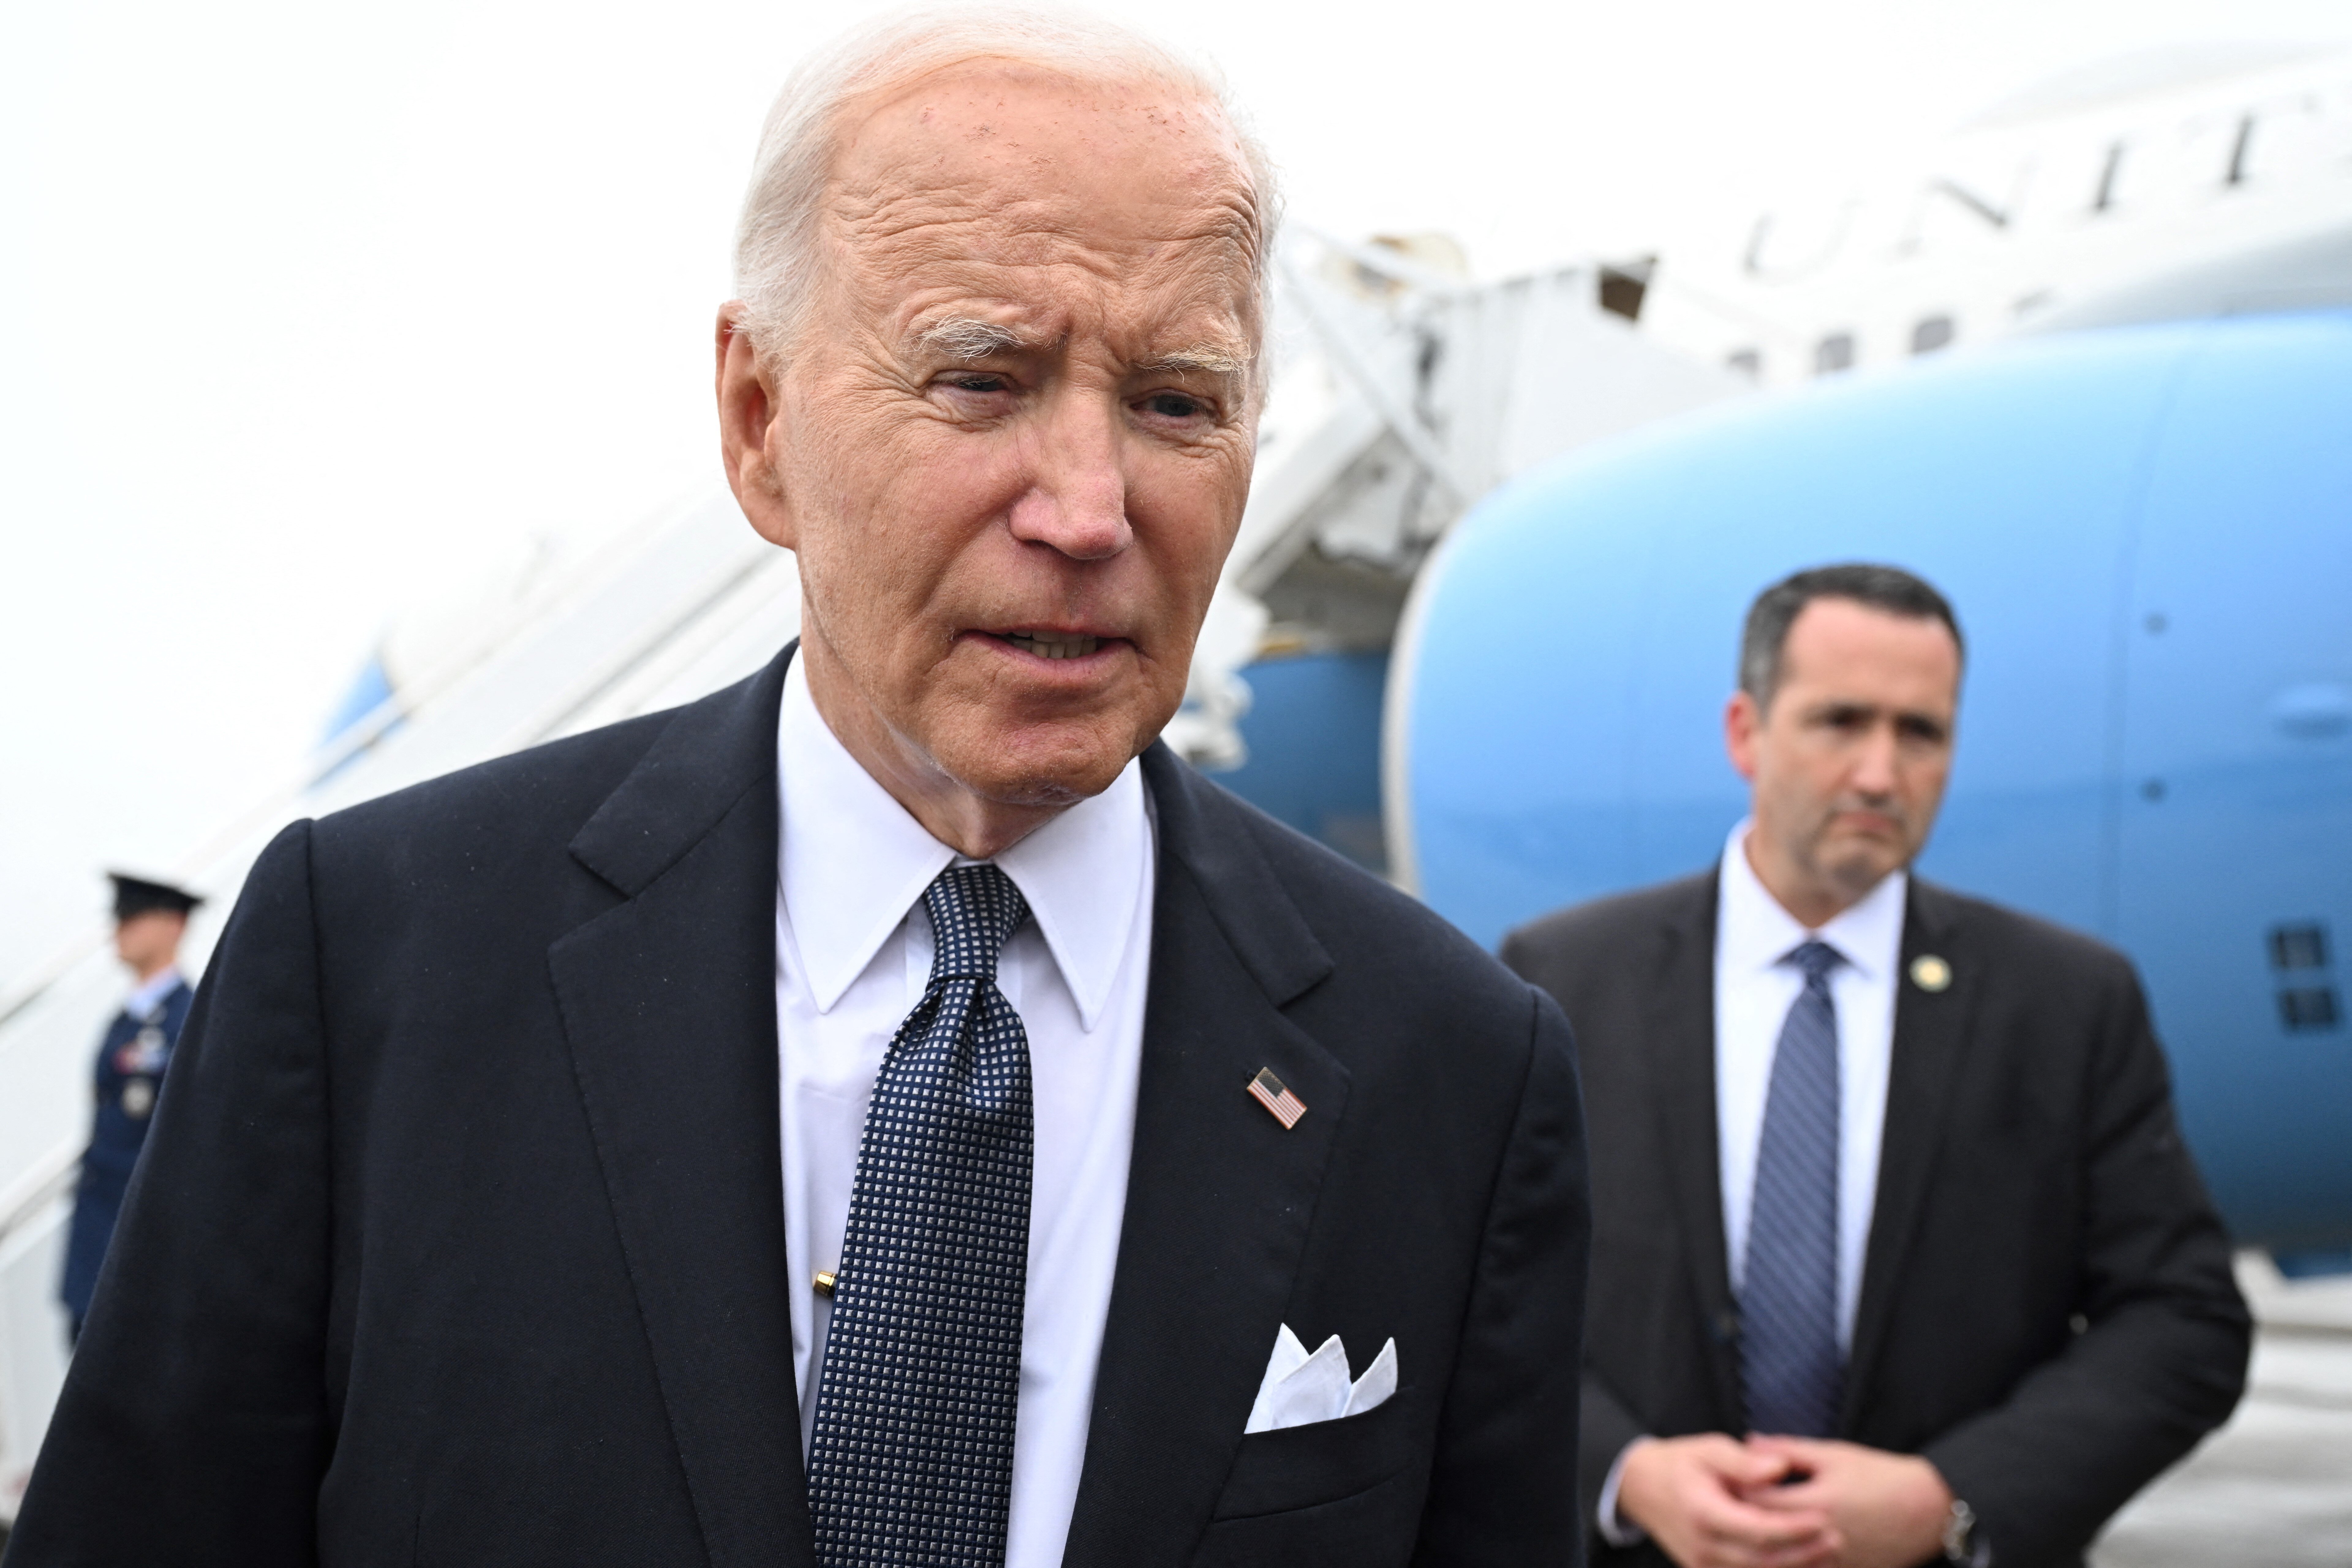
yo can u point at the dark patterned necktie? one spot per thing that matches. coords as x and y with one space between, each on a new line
912 1459
1788 1294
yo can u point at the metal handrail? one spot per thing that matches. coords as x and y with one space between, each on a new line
49 1179
571 580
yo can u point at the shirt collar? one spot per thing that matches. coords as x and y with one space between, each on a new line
149 995
1756 932
854 862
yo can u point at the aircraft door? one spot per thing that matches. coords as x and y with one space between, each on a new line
2233 803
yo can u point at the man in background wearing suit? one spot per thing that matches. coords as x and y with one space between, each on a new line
890 1112
1897 1254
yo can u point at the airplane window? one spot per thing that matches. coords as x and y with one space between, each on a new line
2311 1008
1833 352
2299 947
1621 287
1747 362
1933 332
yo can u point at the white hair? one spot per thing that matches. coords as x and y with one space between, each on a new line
776 244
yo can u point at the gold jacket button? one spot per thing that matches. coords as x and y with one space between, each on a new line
1930 973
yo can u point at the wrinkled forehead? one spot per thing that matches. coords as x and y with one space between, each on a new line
995 180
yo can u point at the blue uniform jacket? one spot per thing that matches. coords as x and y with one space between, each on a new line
129 1075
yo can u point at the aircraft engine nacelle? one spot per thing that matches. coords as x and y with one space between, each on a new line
2148 535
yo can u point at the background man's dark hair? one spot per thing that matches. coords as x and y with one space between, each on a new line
1887 588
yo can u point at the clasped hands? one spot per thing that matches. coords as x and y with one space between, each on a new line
1715 1501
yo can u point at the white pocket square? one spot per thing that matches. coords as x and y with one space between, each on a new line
1301 1388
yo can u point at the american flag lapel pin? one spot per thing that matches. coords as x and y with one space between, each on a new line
1270 1091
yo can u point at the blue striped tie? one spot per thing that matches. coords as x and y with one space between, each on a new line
1788 1296
912 1459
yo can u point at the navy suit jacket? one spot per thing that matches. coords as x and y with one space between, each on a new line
116 1136
461 1239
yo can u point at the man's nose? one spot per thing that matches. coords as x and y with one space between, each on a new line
1874 768
1077 497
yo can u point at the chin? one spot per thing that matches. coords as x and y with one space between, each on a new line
1864 871
1057 768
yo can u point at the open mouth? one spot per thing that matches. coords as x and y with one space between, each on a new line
1054 645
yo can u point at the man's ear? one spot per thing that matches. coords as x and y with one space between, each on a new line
748 411
1742 719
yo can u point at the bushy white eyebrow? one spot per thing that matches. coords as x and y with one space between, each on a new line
1210 357
970 338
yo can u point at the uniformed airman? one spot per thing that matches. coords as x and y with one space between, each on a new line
149 918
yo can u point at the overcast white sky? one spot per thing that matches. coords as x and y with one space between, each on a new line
306 310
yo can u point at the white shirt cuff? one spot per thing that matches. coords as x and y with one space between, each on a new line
1613 1529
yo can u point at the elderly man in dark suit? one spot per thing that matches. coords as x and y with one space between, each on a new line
1899 1256
892 1111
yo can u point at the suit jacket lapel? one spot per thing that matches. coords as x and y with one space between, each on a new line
1219 1194
1931 1033
1682 1077
668 1001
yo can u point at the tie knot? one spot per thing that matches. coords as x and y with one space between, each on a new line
974 911
1813 959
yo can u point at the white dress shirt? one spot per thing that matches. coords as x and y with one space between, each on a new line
146 998
1753 993
853 955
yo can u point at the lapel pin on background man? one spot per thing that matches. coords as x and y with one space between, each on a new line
1885 1175
815 1126
149 918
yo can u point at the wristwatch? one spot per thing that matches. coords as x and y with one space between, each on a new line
1963 1544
